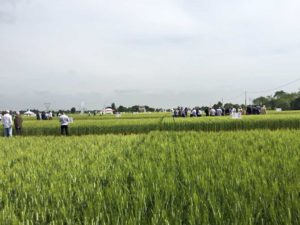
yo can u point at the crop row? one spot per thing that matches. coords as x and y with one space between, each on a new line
271 122
144 125
110 116
245 177
85 127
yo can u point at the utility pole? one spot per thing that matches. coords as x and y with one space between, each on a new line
245 98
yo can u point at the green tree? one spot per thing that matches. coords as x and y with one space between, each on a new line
149 109
113 106
228 105
218 105
261 101
295 104
73 110
134 108
280 94
122 109
283 103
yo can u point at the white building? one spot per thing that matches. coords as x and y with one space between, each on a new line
107 111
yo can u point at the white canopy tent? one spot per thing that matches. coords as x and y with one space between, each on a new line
29 113
107 111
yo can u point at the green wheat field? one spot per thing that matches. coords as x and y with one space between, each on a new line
153 169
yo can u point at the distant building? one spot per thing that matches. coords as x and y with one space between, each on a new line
108 111
142 109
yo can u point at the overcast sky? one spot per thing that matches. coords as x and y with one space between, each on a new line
162 53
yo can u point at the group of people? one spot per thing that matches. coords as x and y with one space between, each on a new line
44 116
222 112
9 120
180 112
197 112
256 110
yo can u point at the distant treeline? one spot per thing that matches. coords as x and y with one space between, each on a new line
281 99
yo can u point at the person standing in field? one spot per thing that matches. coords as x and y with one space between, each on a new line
38 116
219 111
206 110
64 123
264 110
7 124
18 121
50 115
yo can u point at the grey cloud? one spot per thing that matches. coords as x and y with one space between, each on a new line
6 17
160 53
42 93
127 91
159 40
7 10
170 98
284 50
13 3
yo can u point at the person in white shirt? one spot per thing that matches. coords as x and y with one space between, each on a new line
7 124
50 115
212 112
233 110
219 112
64 123
193 113
264 110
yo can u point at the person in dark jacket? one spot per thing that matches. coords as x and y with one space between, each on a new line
18 123
206 110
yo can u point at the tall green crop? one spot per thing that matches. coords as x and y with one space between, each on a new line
239 177
136 124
